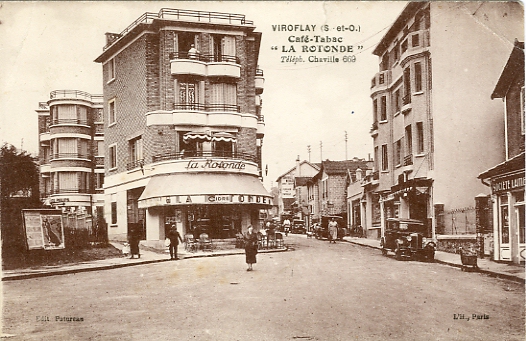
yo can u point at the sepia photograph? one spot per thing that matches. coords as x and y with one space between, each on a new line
262 170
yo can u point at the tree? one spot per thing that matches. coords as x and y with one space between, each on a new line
18 173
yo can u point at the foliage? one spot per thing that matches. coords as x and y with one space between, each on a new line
18 173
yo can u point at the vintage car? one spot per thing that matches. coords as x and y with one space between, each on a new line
407 238
298 226
322 230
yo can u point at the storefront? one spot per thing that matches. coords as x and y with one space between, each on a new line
507 189
220 205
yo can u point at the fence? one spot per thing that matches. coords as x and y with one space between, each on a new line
80 230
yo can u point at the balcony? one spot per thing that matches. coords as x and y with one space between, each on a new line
135 164
261 126
69 156
408 163
216 114
99 161
184 63
75 94
414 43
380 81
374 129
191 154
260 81
69 122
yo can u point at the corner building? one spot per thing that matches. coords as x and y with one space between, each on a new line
184 128
434 124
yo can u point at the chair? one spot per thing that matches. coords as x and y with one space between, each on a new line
190 244
205 243
262 241
279 240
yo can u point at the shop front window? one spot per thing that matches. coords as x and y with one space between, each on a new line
504 220
519 197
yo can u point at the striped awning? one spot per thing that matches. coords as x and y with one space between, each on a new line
201 137
224 137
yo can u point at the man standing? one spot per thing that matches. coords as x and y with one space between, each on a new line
286 226
174 237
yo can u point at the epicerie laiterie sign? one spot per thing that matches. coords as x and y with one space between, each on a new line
508 183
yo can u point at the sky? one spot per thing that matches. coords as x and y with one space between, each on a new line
46 46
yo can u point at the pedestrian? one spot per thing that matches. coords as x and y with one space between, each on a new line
251 247
333 230
134 239
174 237
286 226
192 53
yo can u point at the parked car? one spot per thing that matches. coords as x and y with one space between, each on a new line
322 231
407 238
298 226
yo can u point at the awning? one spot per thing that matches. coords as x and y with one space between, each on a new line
204 188
196 137
223 136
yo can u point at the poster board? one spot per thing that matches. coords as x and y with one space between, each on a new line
43 229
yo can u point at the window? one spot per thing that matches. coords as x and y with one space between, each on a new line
224 97
396 51
113 156
65 148
418 77
100 148
135 150
385 158
223 148
67 182
408 140
223 48
407 86
114 212
420 137
188 96
398 152
376 158
112 119
111 70
99 180
82 114
66 114
375 110
397 101
383 109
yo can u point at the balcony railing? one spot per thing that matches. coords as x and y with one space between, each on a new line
135 164
207 107
408 160
69 121
188 15
406 99
188 154
99 160
67 94
43 105
70 190
207 58
374 126
259 73
57 156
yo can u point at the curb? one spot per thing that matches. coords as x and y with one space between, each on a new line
482 271
116 266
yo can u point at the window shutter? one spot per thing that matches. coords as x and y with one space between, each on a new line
229 46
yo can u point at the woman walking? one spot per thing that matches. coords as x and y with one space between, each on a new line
251 247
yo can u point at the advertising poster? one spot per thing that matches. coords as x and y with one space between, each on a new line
133 107
44 229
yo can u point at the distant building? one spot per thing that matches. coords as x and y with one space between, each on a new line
292 190
184 127
434 125
327 190
506 179
71 151
356 203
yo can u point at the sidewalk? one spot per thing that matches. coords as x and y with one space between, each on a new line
486 266
147 257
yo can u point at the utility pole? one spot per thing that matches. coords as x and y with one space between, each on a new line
346 145
321 151
308 150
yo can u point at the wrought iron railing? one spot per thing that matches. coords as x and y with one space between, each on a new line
406 99
69 121
135 164
188 154
408 160
189 15
99 160
207 107
207 58
75 94
57 156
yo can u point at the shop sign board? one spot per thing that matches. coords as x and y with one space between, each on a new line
43 229
206 199
508 183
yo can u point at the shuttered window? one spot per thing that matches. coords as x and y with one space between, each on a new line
67 182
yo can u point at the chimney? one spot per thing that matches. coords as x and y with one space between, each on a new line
298 168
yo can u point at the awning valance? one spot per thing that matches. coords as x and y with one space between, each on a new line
204 188
223 136
191 136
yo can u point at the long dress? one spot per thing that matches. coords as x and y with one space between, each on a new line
251 247
333 230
